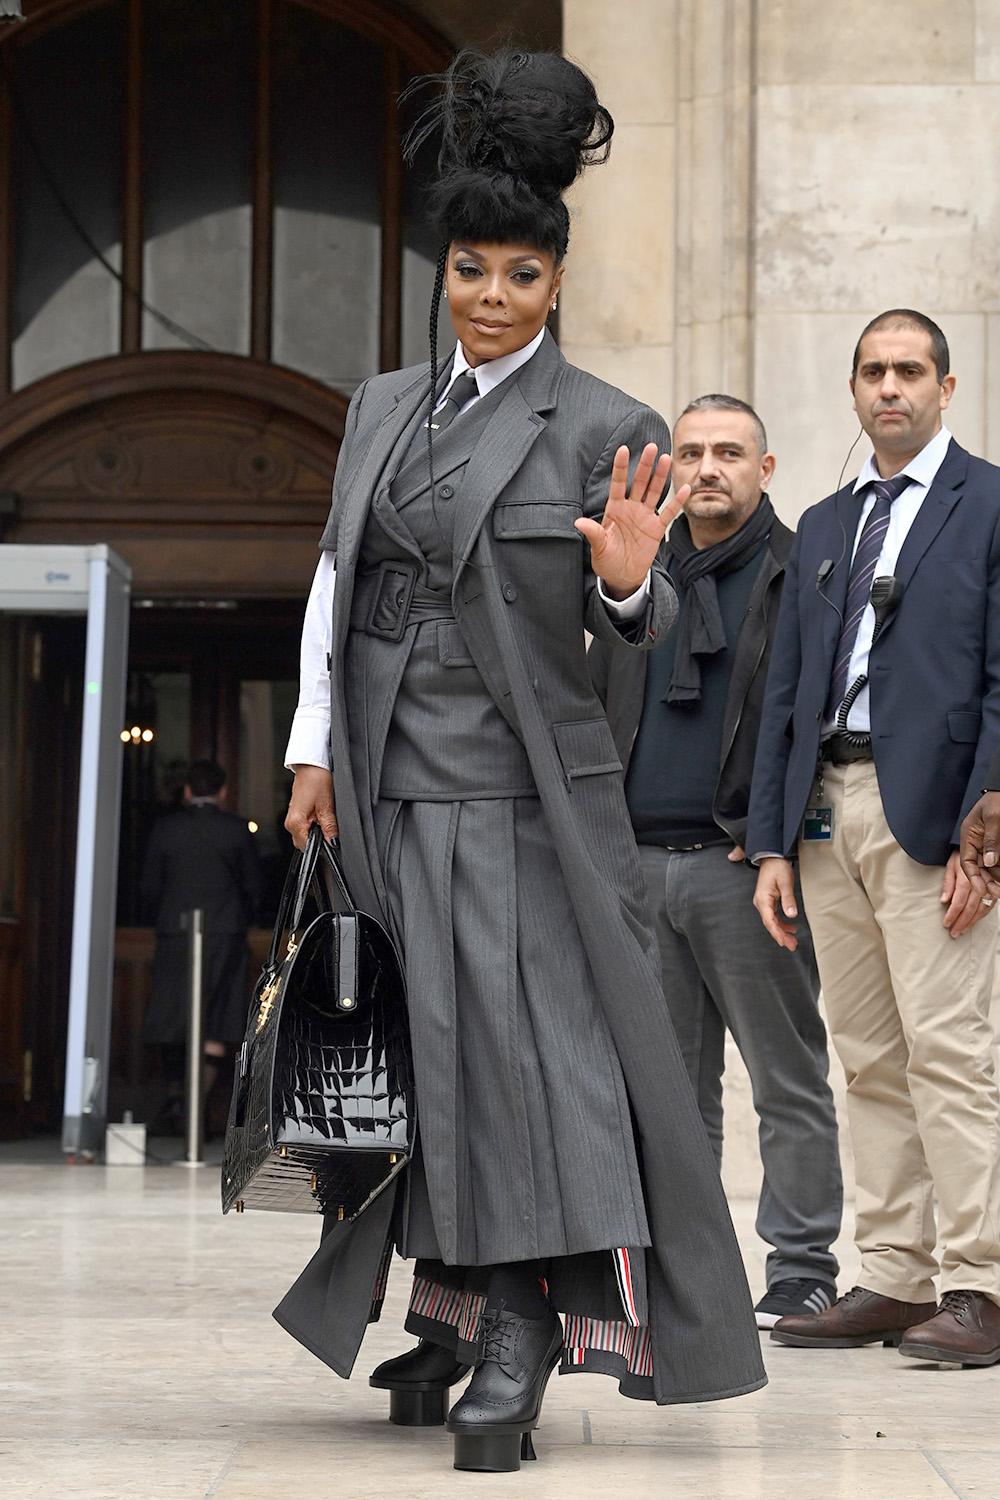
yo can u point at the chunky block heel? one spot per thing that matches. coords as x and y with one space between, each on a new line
486 1452
418 1383
417 1408
492 1423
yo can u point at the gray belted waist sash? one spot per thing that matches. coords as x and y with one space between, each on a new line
388 600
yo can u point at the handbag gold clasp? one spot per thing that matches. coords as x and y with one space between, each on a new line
267 999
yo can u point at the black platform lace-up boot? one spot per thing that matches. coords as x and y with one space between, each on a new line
493 1420
418 1383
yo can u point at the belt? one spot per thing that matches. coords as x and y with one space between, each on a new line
839 751
388 600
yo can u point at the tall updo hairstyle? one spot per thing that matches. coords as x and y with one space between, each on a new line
515 129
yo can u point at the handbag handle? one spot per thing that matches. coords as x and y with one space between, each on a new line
284 905
317 847
303 876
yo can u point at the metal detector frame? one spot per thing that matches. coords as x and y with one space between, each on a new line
92 581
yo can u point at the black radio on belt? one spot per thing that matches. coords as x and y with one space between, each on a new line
885 595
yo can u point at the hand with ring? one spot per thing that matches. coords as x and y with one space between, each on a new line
965 904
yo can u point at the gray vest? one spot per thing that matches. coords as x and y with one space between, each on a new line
428 728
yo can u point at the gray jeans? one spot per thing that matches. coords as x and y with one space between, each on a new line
721 969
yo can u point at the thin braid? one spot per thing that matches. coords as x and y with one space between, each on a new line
439 275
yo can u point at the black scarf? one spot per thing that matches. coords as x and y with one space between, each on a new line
700 631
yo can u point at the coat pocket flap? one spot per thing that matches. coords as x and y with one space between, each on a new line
536 518
452 650
964 726
586 748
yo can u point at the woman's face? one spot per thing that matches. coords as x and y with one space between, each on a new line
499 296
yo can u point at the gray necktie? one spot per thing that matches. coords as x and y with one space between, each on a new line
463 389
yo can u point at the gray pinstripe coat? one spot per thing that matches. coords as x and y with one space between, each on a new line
523 595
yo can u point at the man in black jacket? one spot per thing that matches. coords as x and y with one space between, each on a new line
200 856
685 718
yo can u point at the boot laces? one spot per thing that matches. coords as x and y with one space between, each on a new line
957 1303
497 1335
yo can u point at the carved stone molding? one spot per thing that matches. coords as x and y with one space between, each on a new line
207 472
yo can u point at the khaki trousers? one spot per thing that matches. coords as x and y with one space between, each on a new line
908 1008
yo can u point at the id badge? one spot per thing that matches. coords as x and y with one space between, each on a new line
818 823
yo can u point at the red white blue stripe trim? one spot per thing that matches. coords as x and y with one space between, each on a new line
623 1270
628 1338
582 1335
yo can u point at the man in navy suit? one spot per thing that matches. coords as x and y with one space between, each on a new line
881 716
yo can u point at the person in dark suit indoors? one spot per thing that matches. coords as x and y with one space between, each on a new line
881 717
685 717
200 856
449 728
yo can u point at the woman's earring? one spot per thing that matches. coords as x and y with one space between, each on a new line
446 294
554 306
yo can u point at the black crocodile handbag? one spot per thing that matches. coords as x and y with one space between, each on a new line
322 1113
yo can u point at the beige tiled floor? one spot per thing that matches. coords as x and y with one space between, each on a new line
139 1363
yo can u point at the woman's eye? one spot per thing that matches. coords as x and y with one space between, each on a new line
467 269
525 276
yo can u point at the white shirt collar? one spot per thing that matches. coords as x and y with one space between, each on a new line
922 468
493 372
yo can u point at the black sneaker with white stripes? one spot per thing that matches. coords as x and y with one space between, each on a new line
798 1296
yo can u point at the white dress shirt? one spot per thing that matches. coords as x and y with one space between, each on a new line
309 740
922 470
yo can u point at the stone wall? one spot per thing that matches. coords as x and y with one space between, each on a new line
783 171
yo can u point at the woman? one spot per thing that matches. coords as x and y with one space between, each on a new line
561 1165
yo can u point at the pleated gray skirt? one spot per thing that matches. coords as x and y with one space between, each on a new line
525 1141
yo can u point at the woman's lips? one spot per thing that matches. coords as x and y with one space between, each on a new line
490 329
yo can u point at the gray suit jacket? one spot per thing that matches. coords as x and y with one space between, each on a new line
523 596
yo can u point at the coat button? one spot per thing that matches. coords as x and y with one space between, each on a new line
509 592
445 492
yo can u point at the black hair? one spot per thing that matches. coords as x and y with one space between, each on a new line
205 778
906 317
515 129
729 403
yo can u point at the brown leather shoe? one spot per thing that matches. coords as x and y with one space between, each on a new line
965 1330
859 1317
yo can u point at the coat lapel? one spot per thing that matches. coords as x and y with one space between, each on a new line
385 446
848 508
501 450
937 505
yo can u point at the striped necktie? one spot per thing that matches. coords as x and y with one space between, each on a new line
462 390
860 583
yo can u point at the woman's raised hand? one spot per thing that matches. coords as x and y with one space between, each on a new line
311 802
624 543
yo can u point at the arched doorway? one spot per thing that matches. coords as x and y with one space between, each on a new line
211 476
206 242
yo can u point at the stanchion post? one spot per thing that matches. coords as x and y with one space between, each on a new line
194 921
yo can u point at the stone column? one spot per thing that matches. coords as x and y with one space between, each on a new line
617 304
658 291
715 174
876 147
